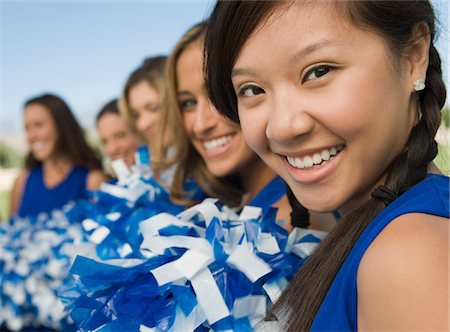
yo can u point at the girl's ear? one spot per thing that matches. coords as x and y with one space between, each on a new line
418 53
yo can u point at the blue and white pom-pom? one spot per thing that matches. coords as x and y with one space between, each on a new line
35 256
36 252
206 268
113 222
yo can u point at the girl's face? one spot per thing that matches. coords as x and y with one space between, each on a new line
41 131
145 107
117 140
218 141
323 104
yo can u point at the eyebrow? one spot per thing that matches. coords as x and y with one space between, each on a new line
323 43
242 71
184 93
298 55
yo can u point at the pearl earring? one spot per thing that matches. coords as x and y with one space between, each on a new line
419 85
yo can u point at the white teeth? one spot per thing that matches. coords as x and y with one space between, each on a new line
37 145
299 163
218 142
307 161
315 159
325 155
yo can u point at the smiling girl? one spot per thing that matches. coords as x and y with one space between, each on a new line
209 147
118 141
342 99
60 166
142 96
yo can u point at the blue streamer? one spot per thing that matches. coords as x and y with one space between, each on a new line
36 253
138 297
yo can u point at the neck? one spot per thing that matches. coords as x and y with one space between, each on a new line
255 177
59 166
361 198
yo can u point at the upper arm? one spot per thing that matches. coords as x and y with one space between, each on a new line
17 191
403 276
95 179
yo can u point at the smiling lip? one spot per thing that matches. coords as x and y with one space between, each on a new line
217 146
36 146
315 173
149 135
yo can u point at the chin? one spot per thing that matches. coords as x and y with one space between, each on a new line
219 171
320 205
40 157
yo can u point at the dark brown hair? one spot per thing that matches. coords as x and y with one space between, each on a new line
71 140
111 107
231 24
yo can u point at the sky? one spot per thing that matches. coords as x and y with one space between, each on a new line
84 51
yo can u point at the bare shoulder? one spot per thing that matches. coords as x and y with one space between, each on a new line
403 276
95 179
17 190
284 212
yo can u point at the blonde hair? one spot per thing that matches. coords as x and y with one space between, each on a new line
152 71
186 158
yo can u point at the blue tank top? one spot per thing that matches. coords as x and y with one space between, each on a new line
270 194
38 198
338 311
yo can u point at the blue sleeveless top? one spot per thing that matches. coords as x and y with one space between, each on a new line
269 195
338 311
38 198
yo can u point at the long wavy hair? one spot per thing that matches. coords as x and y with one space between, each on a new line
186 159
231 24
71 141
153 71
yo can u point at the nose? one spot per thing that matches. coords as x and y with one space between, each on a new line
289 117
206 118
144 121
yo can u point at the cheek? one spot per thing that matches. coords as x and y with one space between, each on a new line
153 119
129 143
53 133
140 122
253 130
188 121
108 148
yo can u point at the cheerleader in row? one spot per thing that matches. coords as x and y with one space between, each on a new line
127 293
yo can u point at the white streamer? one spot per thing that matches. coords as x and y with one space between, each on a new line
249 264
209 297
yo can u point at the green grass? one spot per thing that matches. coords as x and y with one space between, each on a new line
4 205
442 160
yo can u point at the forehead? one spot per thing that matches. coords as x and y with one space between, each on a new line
109 119
37 111
298 24
142 89
189 63
110 124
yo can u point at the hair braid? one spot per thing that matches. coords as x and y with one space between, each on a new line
406 170
394 21
421 148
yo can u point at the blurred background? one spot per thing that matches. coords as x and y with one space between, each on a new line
83 51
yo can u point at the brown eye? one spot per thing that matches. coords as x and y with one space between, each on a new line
250 91
317 72
186 105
